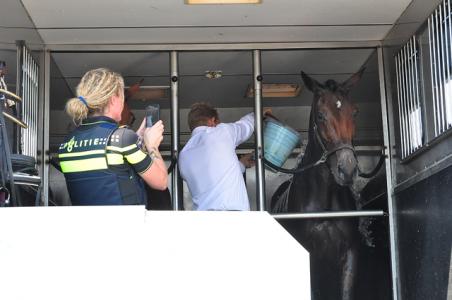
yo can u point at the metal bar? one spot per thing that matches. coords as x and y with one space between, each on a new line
443 69
27 100
175 178
413 95
449 59
212 47
440 79
36 108
415 79
435 46
432 42
432 75
403 103
45 128
416 93
330 214
33 108
411 92
389 177
22 70
260 171
32 100
19 106
29 95
447 66
399 97
407 100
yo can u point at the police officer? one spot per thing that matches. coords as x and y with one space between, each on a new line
103 163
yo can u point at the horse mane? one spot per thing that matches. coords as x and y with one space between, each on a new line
333 86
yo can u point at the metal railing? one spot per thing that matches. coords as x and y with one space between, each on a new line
409 97
330 214
30 96
440 38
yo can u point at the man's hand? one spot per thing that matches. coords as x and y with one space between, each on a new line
248 160
267 111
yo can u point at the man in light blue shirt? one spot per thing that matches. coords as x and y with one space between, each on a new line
209 164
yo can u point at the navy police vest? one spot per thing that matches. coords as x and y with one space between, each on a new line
84 162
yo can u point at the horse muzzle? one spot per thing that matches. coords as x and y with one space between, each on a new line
345 169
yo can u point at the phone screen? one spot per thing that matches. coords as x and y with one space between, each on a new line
152 114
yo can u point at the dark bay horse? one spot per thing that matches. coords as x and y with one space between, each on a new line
332 243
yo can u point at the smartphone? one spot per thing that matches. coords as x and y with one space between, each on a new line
152 114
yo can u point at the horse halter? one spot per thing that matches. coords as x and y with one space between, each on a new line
327 153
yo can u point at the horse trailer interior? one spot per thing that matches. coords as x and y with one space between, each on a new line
229 55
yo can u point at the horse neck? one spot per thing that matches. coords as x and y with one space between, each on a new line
314 150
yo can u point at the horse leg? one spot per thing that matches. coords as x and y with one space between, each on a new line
349 274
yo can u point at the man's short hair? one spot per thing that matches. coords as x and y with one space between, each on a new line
200 113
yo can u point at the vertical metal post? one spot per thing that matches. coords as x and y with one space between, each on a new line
416 52
403 103
175 178
449 60
409 77
414 112
406 101
19 79
432 72
44 112
443 69
389 176
400 106
438 70
25 96
260 171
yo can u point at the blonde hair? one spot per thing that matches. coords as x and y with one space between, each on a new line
96 89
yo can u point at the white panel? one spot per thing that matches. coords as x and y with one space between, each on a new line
315 61
10 36
127 253
237 62
13 14
213 35
138 13
128 64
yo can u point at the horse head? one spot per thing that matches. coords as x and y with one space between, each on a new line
332 125
127 116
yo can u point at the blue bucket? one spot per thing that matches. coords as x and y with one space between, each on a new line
279 141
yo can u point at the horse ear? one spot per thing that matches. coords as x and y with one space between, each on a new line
311 83
353 80
133 89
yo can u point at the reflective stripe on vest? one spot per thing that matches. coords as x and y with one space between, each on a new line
83 159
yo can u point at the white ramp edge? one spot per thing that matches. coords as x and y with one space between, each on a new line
126 252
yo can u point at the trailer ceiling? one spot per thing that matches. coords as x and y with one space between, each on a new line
172 21
137 22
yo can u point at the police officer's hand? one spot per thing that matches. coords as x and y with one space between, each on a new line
153 136
140 131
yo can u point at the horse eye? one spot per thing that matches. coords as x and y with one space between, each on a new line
355 113
321 117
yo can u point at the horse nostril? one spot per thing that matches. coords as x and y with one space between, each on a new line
341 171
